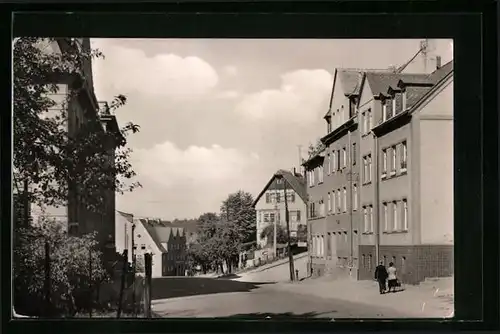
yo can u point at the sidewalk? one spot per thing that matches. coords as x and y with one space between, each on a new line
429 300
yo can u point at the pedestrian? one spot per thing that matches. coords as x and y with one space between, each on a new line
381 277
393 279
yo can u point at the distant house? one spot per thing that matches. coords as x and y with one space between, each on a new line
270 205
166 241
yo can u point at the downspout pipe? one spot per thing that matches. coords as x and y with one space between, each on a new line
376 183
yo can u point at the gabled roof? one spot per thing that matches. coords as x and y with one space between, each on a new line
416 92
128 216
350 81
444 76
298 184
380 82
161 234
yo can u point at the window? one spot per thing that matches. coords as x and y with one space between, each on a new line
355 197
344 201
344 158
395 215
313 172
353 154
329 126
278 197
365 219
338 160
393 105
370 120
334 161
298 215
367 168
386 218
364 124
370 217
320 174
143 246
370 167
403 157
322 245
403 93
384 163
322 208
329 202
334 207
290 197
384 112
271 217
389 108
405 215
329 244
329 163
393 165
339 201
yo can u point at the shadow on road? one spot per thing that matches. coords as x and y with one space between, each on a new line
281 316
172 287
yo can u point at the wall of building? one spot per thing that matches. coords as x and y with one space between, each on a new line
174 261
436 170
366 147
278 209
123 233
413 263
394 188
145 244
340 105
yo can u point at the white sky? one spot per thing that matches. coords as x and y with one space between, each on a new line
220 115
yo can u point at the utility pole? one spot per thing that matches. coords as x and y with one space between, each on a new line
350 176
275 238
287 217
133 267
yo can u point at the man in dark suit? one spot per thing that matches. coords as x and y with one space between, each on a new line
381 277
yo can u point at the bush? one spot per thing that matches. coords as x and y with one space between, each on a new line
75 270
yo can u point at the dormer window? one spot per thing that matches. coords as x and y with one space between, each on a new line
394 105
329 125
403 93
384 111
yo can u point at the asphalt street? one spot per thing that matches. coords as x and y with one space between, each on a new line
265 301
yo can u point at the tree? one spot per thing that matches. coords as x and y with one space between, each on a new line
268 232
75 269
315 149
46 155
238 208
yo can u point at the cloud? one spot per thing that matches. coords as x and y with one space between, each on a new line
127 70
188 182
204 166
302 97
228 95
230 70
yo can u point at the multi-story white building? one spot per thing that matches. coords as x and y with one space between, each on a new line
270 205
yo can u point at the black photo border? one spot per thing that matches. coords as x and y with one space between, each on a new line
473 26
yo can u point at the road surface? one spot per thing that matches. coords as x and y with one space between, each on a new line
265 301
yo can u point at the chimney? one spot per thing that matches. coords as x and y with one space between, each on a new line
438 62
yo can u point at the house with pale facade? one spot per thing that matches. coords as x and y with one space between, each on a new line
270 205
381 190
167 244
